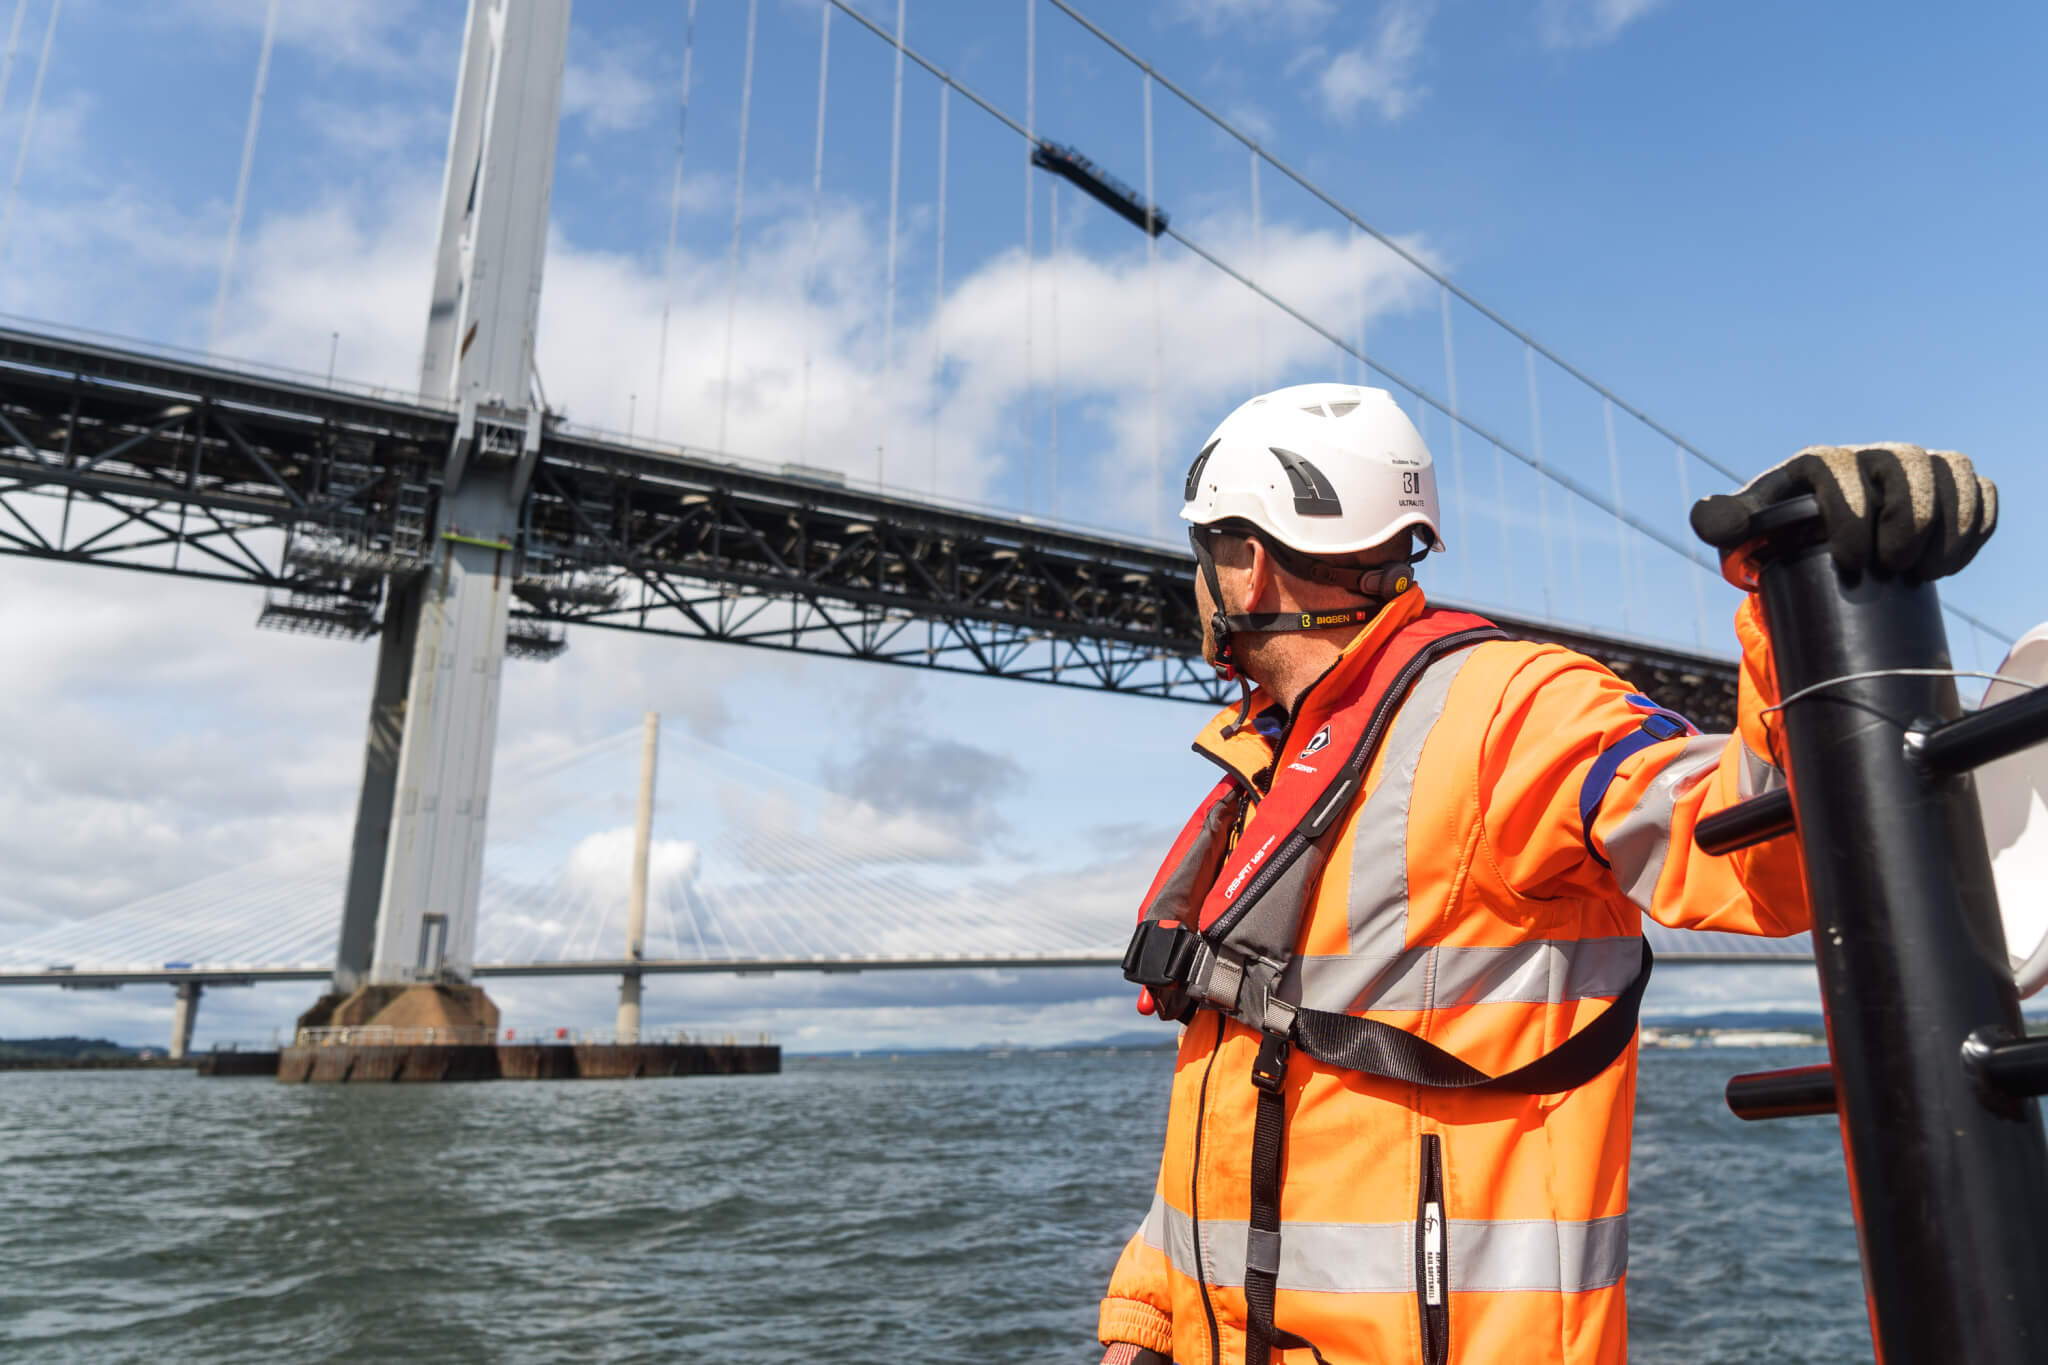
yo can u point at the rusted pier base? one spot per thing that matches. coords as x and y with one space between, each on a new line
233 1062
335 1062
633 1061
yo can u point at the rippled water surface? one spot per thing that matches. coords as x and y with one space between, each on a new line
957 1208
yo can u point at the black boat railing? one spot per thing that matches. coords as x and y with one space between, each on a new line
1930 1068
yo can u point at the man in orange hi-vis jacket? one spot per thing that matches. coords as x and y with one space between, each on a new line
1404 930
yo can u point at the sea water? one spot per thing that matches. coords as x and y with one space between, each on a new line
951 1208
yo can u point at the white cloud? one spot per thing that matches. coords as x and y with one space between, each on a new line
380 134
1588 23
339 266
1381 71
605 90
838 832
384 37
145 753
601 864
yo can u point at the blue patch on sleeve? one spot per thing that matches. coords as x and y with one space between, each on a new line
1658 726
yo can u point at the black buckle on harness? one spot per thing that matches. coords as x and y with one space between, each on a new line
1269 1068
1160 957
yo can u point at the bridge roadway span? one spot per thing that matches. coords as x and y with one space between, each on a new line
1674 948
322 494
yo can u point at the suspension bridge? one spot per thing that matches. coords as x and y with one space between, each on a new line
462 518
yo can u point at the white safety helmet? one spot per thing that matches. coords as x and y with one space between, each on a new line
1325 469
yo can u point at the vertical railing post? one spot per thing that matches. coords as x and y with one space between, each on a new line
1949 1177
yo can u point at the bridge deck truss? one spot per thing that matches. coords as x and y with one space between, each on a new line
321 495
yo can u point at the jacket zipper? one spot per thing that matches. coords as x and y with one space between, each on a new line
1361 757
1432 1256
1195 1196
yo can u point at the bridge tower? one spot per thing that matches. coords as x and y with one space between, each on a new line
409 916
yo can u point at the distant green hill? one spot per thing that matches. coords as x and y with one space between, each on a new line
59 1049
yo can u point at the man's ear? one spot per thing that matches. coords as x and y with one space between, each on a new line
1258 580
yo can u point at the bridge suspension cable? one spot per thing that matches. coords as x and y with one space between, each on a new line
1422 394
1259 264
1392 244
1389 242
28 121
1030 228
13 47
889 306
1621 541
811 262
1699 588
939 285
1461 509
1052 323
739 201
1152 283
227 263
675 213
1542 486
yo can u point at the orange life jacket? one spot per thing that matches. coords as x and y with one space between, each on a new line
1437 891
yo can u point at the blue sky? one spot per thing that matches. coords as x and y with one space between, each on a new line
1766 228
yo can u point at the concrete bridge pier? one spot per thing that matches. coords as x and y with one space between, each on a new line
628 1027
184 1014
408 931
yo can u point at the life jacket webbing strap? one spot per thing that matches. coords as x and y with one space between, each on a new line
1296 815
1279 1022
1262 1240
1374 1048
1377 1049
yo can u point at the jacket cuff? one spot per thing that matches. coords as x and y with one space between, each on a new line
1140 1324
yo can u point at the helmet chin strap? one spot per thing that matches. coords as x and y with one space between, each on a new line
1379 585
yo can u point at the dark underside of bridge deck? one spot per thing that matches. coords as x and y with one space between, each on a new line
320 495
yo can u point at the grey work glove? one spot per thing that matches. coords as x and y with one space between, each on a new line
1892 508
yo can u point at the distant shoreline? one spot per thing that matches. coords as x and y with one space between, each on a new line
99 1063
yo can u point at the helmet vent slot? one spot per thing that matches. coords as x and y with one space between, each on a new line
1339 409
1313 494
1194 484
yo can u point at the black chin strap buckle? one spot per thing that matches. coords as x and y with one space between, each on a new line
1220 633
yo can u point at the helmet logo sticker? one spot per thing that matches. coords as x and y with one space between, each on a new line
1318 744
1194 484
1313 494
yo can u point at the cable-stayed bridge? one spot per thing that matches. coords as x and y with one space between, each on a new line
466 509
781 875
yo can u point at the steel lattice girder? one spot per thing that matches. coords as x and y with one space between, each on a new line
186 463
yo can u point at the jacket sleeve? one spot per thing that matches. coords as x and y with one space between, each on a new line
1579 793
1138 1307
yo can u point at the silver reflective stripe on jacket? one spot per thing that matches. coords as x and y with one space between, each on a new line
1639 842
1378 912
1486 1255
1756 775
1539 972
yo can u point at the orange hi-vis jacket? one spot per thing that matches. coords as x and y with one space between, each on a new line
1484 892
